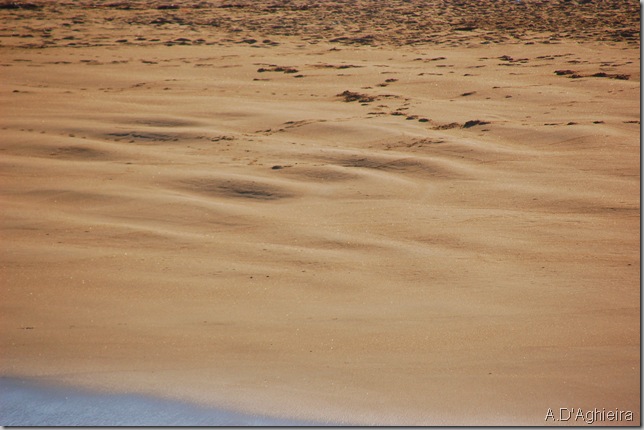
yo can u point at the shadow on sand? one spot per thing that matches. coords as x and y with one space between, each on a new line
25 402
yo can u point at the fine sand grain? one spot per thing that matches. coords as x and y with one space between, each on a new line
420 213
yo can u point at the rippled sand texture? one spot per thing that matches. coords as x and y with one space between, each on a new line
401 214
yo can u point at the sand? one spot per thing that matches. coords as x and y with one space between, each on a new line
336 211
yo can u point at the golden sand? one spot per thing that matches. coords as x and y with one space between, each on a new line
401 214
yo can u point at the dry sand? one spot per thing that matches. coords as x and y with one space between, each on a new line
326 210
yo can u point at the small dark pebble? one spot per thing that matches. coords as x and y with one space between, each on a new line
474 122
350 96
19 5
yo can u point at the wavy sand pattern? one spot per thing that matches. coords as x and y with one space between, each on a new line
400 214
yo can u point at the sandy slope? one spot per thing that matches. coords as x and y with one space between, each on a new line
211 220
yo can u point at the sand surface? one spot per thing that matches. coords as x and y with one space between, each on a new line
330 210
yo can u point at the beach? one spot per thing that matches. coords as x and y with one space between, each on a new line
340 212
